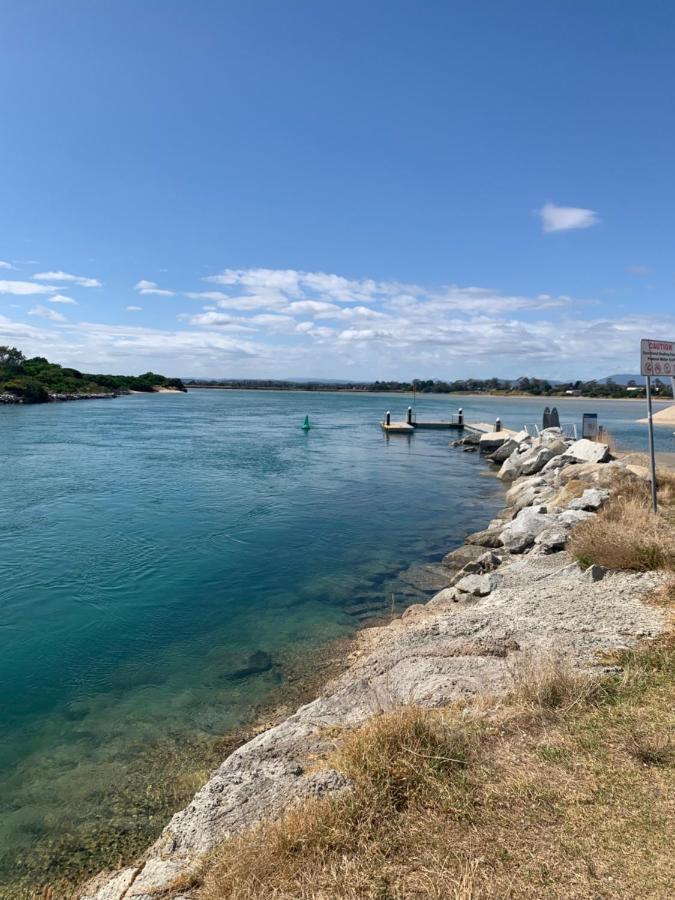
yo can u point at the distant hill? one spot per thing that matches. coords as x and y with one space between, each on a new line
623 378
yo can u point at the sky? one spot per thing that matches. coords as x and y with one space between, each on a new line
356 190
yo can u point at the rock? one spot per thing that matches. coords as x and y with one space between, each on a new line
492 440
595 573
508 513
571 491
258 662
503 452
588 451
574 516
470 450
591 499
509 470
519 534
536 460
478 585
485 563
457 559
552 539
558 462
524 484
491 537
641 472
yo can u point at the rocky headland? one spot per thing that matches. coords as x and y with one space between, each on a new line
513 594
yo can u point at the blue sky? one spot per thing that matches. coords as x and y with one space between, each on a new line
337 189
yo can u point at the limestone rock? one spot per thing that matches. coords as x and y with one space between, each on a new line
478 585
552 539
574 516
536 460
595 573
519 534
591 499
492 440
457 559
570 491
502 453
491 537
641 472
588 451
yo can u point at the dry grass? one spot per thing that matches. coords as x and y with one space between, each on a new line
626 534
563 791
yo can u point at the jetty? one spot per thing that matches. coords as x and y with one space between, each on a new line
411 424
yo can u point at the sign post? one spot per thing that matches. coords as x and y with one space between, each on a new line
656 358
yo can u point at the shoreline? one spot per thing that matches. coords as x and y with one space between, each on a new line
390 664
474 396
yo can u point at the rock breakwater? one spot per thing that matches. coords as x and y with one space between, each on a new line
514 593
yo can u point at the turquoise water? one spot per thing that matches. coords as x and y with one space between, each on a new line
149 545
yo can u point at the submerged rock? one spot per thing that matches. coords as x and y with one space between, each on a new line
258 662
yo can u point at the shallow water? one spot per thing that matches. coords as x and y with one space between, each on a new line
149 545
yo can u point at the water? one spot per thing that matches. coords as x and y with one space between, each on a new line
149 545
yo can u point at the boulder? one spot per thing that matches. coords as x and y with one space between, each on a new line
519 534
552 539
558 462
509 469
574 516
591 499
535 460
458 558
492 440
523 484
491 537
595 573
570 491
502 453
641 472
588 451
485 563
478 585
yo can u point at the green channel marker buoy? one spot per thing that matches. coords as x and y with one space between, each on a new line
305 425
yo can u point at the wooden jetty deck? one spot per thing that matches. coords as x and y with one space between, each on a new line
453 423
397 427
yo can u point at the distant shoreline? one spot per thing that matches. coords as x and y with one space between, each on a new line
475 396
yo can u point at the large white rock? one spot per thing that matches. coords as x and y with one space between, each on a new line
491 440
591 499
519 534
588 451
502 453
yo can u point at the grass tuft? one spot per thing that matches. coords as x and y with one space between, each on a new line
486 800
625 534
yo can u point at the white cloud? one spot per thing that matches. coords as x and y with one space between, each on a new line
639 270
206 295
566 218
25 287
60 298
79 280
149 287
5 265
46 313
134 308
269 323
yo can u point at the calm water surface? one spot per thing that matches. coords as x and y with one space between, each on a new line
150 545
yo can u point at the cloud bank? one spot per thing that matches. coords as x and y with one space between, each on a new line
277 323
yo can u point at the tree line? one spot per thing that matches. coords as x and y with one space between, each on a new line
36 380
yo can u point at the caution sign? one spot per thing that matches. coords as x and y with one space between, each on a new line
657 358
